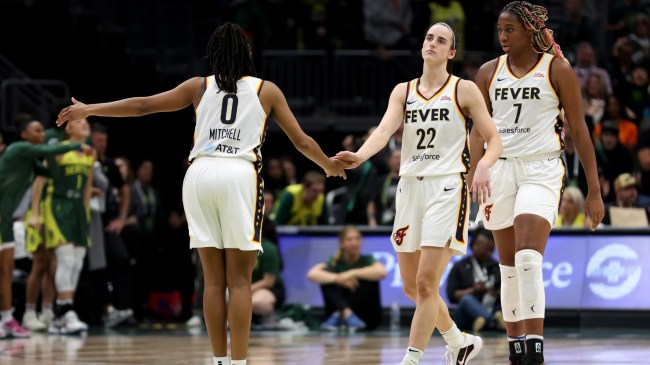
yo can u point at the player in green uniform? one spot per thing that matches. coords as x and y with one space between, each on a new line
66 215
18 166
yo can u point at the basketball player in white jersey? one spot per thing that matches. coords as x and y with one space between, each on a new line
432 196
525 90
223 189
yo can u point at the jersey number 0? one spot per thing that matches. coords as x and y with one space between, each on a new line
229 118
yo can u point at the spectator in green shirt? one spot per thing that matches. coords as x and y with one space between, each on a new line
350 285
302 204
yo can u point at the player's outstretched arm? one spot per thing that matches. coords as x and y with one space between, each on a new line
287 121
172 100
391 121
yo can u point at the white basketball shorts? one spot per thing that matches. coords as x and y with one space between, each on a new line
521 186
431 211
224 203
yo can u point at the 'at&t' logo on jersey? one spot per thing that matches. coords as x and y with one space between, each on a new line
614 271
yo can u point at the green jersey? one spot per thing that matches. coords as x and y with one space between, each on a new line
19 165
69 175
54 135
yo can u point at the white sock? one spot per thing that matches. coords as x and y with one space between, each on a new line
516 338
64 301
534 337
412 357
46 309
453 337
5 316
221 360
30 308
238 362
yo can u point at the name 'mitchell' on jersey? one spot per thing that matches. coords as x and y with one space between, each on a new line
526 110
435 138
230 125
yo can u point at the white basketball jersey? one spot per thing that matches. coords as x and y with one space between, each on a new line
435 140
230 125
526 110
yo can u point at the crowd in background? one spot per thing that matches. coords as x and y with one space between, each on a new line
139 247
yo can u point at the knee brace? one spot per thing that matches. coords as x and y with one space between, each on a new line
531 283
64 268
19 239
510 302
79 255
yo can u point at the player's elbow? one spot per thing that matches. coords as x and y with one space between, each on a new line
304 143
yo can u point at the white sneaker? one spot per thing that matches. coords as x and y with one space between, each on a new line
195 321
70 324
115 317
468 351
46 317
32 323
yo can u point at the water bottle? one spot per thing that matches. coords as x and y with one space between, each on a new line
394 317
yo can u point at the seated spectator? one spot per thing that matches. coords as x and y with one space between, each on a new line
302 204
594 96
634 95
474 283
289 169
268 286
628 133
625 211
274 179
572 209
586 66
613 159
350 285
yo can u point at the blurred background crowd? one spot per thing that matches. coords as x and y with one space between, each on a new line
337 61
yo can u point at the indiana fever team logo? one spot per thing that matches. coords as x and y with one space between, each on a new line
399 235
487 211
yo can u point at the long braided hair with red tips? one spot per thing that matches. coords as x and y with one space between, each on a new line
534 18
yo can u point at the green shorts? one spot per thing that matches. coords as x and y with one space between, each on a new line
66 221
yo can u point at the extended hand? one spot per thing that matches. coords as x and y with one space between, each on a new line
348 160
74 112
336 169
481 184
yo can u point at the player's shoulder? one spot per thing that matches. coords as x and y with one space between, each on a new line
400 90
489 67
466 87
561 65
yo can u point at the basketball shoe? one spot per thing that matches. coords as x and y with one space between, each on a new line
468 351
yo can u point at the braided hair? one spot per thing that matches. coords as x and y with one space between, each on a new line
229 55
534 18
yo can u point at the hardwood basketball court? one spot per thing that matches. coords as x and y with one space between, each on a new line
563 347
